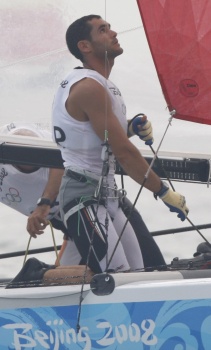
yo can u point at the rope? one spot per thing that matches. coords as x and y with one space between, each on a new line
54 243
27 249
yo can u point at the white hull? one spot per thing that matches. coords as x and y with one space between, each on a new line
163 311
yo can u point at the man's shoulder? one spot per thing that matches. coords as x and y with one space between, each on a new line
88 86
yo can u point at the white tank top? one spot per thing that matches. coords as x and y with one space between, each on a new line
20 191
79 144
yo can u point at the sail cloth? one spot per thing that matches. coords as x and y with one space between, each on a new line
179 37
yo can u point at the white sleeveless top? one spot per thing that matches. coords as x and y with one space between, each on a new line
20 191
80 146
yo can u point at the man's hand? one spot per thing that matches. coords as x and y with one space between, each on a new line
142 127
174 201
37 221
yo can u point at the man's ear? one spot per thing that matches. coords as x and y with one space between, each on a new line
84 46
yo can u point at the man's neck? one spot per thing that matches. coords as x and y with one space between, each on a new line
103 69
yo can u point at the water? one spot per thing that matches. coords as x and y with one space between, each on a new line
33 61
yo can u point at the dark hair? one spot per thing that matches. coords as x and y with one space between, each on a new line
79 30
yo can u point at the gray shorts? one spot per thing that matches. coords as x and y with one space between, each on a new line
95 226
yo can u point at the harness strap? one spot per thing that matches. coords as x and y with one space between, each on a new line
80 174
85 176
75 205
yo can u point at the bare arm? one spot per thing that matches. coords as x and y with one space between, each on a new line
37 220
52 187
90 101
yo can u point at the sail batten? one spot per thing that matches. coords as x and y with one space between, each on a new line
179 37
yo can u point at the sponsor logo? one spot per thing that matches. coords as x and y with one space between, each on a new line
64 83
115 91
189 88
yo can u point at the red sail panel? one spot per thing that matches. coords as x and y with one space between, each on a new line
179 37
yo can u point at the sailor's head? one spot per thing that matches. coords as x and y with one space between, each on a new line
24 168
92 34
78 31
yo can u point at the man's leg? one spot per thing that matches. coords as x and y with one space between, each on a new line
63 275
129 241
94 244
35 273
68 254
152 255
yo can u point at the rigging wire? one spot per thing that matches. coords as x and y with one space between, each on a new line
155 157
53 52
126 222
172 113
33 58
140 190
101 183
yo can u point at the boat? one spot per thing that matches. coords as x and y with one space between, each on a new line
151 310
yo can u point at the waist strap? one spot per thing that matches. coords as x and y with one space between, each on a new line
83 176
80 174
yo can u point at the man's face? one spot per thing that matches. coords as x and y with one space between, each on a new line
104 39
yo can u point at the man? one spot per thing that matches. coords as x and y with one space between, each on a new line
29 189
90 126
33 192
20 189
